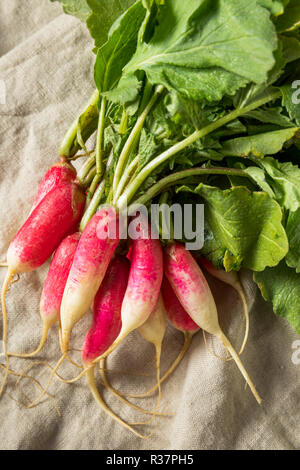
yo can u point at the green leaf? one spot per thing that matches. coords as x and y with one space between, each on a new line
293 233
209 84
290 20
147 148
284 178
208 50
103 15
146 30
78 8
253 91
258 175
112 139
126 91
117 51
244 226
270 116
276 7
281 286
291 48
258 145
291 100
192 114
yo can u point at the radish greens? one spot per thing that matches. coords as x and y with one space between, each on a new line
197 98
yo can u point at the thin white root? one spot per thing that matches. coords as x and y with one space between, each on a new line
110 349
119 396
6 283
62 379
53 369
13 281
92 385
38 399
37 384
39 348
158 383
217 356
239 288
157 367
68 350
187 342
241 293
240 365
64 346
73 362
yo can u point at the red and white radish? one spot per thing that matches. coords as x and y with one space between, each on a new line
107 306
59 173
107 323
96 247
55 216
145 277
180 320
193 292
175 311
106 320
54 288
106 326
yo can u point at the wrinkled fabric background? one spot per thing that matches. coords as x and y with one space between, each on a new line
46 67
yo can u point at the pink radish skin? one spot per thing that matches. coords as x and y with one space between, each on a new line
144 283
57 278
107 310
55 216
96 247
193 292
175 311
59 173
54 288
190 287
45 228
106 326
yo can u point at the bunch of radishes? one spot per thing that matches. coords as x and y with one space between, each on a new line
91 269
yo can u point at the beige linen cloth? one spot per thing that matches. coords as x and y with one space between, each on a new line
46 68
